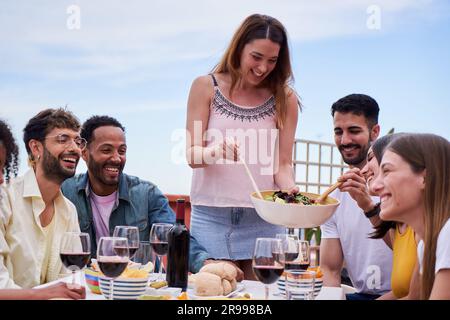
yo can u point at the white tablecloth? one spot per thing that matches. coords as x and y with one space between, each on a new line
254 288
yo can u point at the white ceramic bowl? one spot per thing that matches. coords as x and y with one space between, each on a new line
124 288
293 215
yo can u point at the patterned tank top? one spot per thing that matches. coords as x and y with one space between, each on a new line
226 183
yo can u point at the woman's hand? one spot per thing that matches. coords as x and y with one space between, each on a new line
293 190
228 149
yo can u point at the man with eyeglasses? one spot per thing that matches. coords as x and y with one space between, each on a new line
34 214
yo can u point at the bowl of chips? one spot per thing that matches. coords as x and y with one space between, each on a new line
131 284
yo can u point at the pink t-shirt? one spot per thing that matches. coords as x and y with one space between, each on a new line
226 183
101 211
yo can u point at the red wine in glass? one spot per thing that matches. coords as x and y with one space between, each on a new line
288 256
75 251
268 274
132 250
112 268
160 243
295 265
268 261
160 247
112 257
75 259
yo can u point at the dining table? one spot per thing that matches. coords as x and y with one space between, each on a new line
254 289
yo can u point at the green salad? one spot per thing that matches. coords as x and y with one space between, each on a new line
284 197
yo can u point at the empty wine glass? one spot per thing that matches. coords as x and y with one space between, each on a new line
159 242
303 254
75 251
144 254
268 261
132 234
112 257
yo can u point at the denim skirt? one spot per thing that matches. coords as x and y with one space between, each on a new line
230 233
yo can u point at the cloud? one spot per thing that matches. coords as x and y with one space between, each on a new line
118 38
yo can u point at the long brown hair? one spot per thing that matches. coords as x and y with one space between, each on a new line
254 27
431 153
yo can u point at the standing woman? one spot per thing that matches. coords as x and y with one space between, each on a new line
414 187
244 108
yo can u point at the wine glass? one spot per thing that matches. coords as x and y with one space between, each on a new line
112 257
159 242
75 251
132 234
303 254
143 255
268 261
290 246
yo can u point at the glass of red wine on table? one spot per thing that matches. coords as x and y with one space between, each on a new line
112 258
159 242
132 234
75 252
268 261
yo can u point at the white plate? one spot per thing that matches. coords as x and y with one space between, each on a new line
191 293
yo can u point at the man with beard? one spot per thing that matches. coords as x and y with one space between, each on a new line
106 197
34 213
345 236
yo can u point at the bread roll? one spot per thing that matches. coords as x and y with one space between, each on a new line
222 269
227 288
233 284
208 284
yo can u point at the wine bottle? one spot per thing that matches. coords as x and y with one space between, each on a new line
178 254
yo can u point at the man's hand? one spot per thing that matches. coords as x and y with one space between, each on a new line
240 273
61 290
354 183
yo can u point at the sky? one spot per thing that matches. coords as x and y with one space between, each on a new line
136 61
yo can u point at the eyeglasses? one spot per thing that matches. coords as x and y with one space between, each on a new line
66 140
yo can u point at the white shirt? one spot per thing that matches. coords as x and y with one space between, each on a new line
368 261
23 241
442 249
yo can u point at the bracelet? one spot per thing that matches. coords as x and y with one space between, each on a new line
375 211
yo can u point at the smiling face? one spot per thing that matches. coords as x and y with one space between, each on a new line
59 160
371 170
258 59
105 157
353 137
400 189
